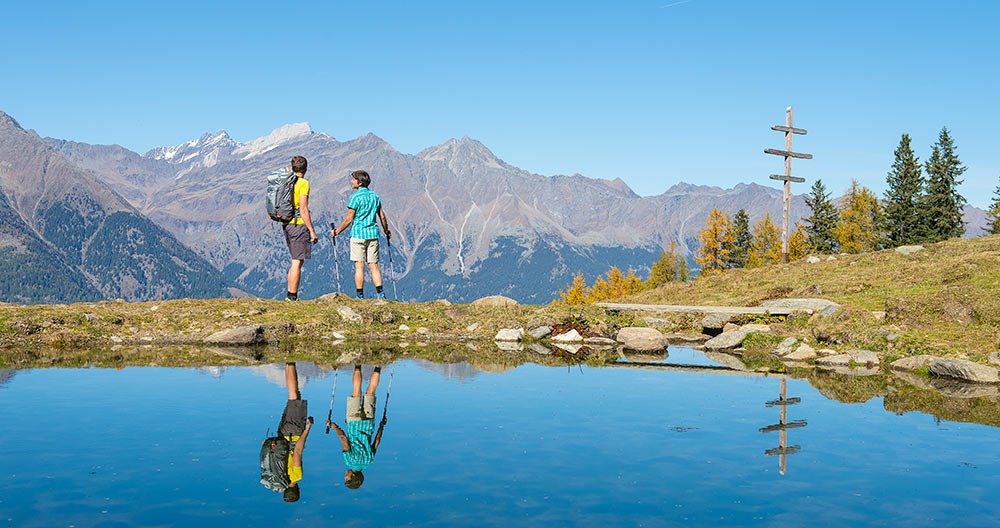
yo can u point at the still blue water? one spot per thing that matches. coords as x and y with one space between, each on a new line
533 446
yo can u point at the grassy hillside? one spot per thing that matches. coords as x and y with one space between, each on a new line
944 299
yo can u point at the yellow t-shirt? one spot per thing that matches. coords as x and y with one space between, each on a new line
294 473
301 189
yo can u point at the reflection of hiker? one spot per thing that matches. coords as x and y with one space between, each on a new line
299 232
362 209
293 430
358 447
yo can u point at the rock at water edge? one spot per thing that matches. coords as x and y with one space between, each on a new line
540 332
840 360
641 339
964 370
728 340
568 337
863 357
802 353
243 335
509 334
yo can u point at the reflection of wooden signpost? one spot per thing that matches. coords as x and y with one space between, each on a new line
782 427
787 177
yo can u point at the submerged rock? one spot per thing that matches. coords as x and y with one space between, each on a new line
243 335
964 370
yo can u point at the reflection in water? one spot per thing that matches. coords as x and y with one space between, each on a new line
281 455
6 375
461 371
356 437
782 427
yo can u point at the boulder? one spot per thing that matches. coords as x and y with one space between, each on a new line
728 360
423 330
349 314
756 327
788 342
494 300
803 353
864 357
727 340
713 323
568 337
243 335
540 332
685 339
813 259
599 341
455 313
824 307
730 327
641 339
472 327
509 334
908 250
386 317
404 328
331 297
827 352
964 370
913 362
831 258
840 360
994 359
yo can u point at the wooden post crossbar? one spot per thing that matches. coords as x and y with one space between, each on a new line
789 131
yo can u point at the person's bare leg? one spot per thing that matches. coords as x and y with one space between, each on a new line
356 392
373 381
292 381
376 274
359 275
294 273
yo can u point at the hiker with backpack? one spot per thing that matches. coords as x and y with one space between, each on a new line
363 208
288 203
358 446
281 455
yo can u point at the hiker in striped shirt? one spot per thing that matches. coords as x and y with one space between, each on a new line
362 209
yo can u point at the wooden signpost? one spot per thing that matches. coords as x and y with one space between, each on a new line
787 177
783 425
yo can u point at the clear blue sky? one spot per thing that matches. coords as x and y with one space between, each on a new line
654 92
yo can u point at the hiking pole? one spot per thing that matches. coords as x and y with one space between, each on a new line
392 275
336 265
388 389
329 415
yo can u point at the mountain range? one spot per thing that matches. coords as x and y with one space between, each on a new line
465 223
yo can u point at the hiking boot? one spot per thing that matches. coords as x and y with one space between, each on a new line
380 295
287 298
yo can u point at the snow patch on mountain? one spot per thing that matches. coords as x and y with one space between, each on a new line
276 138
190 149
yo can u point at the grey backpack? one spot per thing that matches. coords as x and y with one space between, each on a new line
274 463
281 195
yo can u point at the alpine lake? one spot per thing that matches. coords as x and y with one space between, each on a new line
477 437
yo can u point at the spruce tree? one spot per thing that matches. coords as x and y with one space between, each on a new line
903 220
993 214
819 225
942 205
739 240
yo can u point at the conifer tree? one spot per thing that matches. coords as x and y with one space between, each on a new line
714 238
739 240
993 214
860 221
942 203
904 218
600 291
683 271
576 293
819 225
665 269
766 245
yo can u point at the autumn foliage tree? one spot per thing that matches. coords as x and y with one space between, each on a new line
765 248
858 230
665 269
798 243
576 293
715 240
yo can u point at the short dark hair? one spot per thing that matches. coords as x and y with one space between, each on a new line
362 178
357 479
299 164
292 493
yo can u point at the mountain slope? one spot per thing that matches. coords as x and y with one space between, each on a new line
67 236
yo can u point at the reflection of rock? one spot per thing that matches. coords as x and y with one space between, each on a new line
570 348
957 389
841 360
460 371
732 362
540 349
645 357
855 371
509 346
685 339
6 375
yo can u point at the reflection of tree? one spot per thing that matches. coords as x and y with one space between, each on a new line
6 375
782 427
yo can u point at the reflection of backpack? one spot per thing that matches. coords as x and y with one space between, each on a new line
281 195
274 463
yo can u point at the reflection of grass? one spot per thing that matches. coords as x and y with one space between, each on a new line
937 297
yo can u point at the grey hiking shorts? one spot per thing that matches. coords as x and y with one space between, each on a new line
293 420
298 240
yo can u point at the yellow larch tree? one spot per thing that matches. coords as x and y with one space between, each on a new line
798 243
576 293
715 239
858 228
765 248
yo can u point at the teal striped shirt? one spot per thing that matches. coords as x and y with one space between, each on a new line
359 435
365 204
